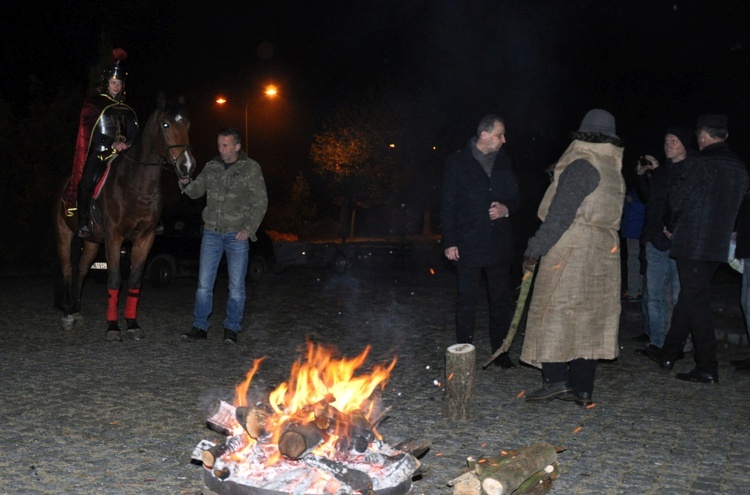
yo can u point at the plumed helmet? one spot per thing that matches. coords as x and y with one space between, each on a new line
117 69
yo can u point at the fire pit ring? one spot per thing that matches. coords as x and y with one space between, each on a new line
229 487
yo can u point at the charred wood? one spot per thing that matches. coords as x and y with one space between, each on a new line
354 478
231 444
253 419
298 439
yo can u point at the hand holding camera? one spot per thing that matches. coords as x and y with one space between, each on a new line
646 163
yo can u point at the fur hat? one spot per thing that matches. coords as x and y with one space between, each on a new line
684 135
599 121
712 121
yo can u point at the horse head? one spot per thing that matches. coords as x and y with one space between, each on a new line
173 124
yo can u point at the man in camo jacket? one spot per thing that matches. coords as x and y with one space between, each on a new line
236 202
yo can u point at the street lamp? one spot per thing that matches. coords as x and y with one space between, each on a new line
271 91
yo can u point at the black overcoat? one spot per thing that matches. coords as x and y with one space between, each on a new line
467 195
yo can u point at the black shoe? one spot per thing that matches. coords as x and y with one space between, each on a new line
230 337
580 398
194 334
503 360
642 338
697 376
741 364
548 391
655 355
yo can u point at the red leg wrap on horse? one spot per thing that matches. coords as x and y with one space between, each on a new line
131 305
112 306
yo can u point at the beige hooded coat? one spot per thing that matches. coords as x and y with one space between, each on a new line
575 307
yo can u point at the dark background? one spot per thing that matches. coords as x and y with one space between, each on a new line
539 64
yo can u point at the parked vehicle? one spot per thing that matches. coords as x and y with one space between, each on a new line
176 252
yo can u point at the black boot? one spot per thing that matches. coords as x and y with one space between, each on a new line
84 226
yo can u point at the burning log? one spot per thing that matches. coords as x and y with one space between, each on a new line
231 444
253 419
222 418
354 478
299 439
460 361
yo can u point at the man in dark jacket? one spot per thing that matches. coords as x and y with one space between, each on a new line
704 205
479 193
662 282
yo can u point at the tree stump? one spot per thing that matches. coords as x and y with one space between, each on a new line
460 364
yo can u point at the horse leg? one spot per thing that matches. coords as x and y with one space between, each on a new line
138 256
114 280
68 250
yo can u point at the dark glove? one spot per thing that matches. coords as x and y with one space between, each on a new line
529 263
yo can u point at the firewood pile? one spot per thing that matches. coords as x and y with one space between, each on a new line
527 471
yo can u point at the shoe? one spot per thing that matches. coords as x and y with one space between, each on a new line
230 337
697 376
548 391
741 364
580 398
642 338
194 334
504 362
654 354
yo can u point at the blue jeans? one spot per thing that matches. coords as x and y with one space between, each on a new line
745 297
213 247
663 287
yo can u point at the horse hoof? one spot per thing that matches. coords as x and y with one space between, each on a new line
114 336
135 333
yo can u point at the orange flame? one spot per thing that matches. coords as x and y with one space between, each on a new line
432 271
321 380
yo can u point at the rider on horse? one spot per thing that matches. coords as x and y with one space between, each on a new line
107 126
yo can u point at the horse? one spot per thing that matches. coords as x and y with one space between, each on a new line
127 208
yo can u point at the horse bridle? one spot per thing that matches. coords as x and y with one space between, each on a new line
164 163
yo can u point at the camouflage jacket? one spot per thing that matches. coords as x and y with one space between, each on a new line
235 198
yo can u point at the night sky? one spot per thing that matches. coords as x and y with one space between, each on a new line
539 64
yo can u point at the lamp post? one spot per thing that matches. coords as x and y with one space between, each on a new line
271 91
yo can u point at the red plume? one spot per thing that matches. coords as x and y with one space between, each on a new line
119 54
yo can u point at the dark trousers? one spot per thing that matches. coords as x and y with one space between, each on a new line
579 374
92 171
692 315
500 302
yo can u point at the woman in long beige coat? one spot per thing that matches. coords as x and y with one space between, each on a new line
575 308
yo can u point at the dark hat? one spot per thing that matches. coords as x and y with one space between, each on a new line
712 121
684 134
599 121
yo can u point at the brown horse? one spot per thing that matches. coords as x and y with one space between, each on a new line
127 209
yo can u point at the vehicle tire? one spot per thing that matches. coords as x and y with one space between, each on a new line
257 268
339 262
161 273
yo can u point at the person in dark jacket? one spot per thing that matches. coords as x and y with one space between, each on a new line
662 282
704 204
480 192
742 252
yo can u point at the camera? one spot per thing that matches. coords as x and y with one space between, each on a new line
644 162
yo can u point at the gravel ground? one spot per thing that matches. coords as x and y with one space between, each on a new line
79 415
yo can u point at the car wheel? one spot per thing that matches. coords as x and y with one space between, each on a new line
257 268
161 273
339 262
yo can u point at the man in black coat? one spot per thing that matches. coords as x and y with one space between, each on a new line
480 192
704 205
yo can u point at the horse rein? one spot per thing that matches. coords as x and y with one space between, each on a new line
166 148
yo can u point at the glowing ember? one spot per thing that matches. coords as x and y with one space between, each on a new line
315 435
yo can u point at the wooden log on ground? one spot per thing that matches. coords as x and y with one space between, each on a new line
502 476
460 363
298 439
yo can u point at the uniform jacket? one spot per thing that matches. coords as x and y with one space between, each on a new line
467 195
235 198
575 307
705 202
